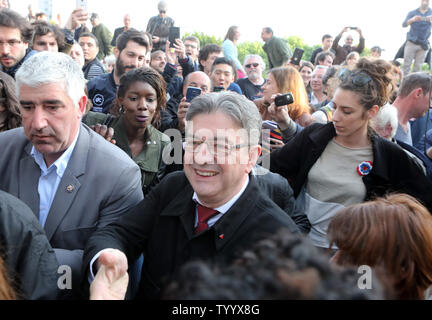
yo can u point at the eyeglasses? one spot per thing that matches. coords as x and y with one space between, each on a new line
359 79
11 43
255 65
216 149
162 11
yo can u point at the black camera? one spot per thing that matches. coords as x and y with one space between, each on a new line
284 99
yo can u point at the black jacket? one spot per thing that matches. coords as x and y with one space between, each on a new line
30 261
393 170
161 227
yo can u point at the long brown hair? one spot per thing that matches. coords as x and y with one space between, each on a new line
392 234
9 100
6 291
288 79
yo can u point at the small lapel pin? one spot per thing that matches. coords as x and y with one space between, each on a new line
69 188
221 236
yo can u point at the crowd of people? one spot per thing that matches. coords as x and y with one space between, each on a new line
146 167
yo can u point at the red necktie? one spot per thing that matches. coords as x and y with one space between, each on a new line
204 214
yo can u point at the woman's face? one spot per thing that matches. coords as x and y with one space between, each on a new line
270 87
349 116
306 74
139 104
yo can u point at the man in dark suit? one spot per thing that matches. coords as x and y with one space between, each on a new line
119 31
212 210
74 181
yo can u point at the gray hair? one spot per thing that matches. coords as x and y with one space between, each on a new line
52 67
387 114
256 56
318 67
239 108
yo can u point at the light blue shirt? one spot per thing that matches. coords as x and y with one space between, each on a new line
230 51
50 178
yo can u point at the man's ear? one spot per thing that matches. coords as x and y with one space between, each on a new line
254 153
116 52
82 104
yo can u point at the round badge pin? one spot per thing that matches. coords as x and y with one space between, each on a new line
364 168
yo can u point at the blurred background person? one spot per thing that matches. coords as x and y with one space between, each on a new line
158 26
251 86
306 69
119 31
229 47
317 95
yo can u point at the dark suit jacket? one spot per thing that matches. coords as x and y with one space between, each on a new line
99 185
161 227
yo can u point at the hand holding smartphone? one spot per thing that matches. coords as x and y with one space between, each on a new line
284 100
191 93
297 56
174 33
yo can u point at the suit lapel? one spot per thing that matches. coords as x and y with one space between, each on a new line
69 184
29 176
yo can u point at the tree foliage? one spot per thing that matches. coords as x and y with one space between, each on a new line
256 47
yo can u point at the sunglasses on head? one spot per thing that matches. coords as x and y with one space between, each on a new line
359 79
255 65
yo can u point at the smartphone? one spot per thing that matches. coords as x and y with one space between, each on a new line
82 4
284 99
353 28
218 89
191 93
297 56
174 33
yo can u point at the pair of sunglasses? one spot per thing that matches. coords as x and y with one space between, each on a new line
359 79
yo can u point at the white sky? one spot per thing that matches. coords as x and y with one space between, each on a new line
380 20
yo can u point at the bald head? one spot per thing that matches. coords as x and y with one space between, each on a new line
197 79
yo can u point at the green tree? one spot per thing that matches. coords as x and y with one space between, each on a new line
246 48
204 38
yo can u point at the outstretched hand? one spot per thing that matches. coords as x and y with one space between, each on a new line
111 280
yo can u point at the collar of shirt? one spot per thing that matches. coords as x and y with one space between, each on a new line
223 208
60 164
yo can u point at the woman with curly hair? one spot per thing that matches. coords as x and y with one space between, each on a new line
133 122
331 166
10 115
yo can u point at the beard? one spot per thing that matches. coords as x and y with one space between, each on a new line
120 68
253 75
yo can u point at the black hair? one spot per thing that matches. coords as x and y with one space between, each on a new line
227 61
206 51
89 35
147 75
132 35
